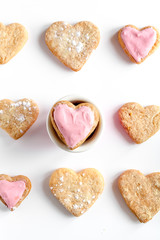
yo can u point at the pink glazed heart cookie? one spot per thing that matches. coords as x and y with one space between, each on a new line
74 124
138 44
13 190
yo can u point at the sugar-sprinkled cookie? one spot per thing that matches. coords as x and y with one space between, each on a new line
17 117
12 39
74 124
141 193
137 43
72 45
76 191
140 123
13 190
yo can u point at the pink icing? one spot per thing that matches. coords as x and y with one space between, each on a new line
74 124
138 43
11 192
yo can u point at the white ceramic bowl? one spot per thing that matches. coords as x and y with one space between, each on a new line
89 142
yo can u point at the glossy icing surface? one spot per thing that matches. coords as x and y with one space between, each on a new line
138 43
74 124
11 192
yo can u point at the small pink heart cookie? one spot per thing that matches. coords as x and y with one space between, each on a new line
138 44
74 124
13 190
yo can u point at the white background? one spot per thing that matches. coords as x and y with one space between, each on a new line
110 80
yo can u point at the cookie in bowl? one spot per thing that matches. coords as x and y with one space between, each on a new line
75 123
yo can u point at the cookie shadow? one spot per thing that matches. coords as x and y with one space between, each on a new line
49 54
121 201
37 136
4 208
118 48
53 201
120 128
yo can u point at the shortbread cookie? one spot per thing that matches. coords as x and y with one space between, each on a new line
17 117
12 39
76 191
13 190
138 44
140 123
141 193
72 45
74 124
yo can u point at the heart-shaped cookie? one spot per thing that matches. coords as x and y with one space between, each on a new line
12 39
140 123
138 44
76 191
74 124
17 117
13 190
141 193
72 45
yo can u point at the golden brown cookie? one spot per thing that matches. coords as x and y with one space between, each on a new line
140 123
13 190
74 124
17 117
141 193
137 43
76 191
72 45
12 39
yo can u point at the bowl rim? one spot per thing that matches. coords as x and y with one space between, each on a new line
53 135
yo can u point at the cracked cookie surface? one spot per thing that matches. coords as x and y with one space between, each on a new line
12 39
140 122
141 193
